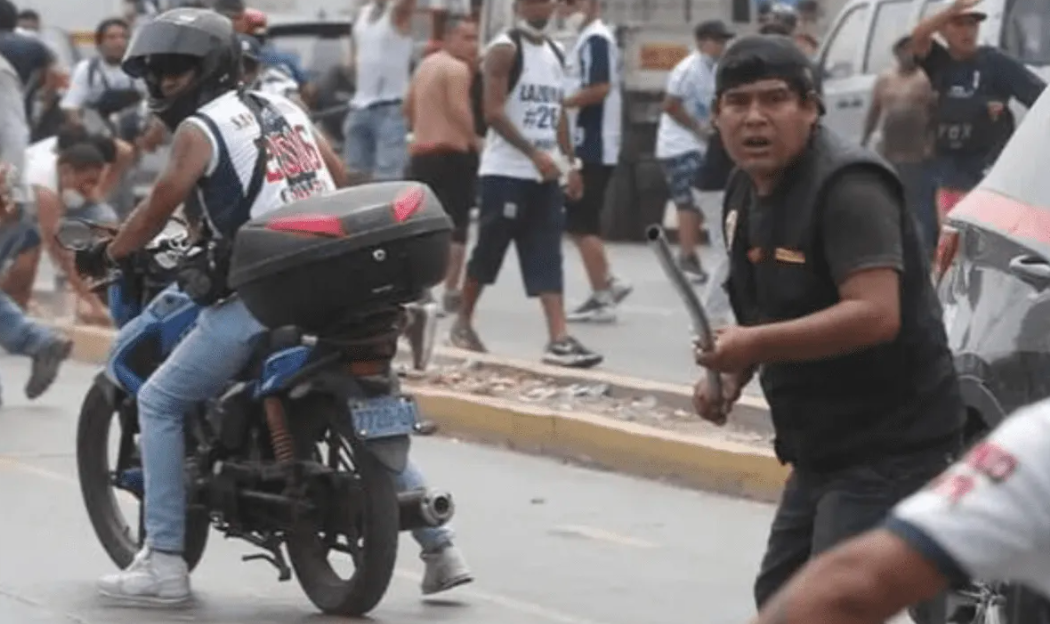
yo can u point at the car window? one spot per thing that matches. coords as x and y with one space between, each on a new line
315 55
840 54
891 23
1026 31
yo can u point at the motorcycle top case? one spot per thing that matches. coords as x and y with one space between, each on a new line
328 260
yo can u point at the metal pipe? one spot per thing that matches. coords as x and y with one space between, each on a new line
698 317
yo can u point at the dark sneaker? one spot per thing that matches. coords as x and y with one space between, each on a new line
570 353
451 301
599 308
463 336
690 265
420 332
619 289
46 363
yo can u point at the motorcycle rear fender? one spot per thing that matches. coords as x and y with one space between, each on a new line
392 453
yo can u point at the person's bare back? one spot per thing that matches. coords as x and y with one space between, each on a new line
438 105
905 100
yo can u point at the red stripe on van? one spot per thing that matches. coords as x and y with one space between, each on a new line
1005 214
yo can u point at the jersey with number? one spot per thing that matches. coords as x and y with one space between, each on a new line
988 516
534 107
294 167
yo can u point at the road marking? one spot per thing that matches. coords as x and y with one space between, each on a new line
14 464
602 535
506 602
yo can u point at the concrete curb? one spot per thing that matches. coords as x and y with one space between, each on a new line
702 462
751 412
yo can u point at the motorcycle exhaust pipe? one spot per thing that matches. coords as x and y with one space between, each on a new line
422 509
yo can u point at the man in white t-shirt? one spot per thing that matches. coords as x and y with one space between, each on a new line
987 517
376 137
681 137
98 83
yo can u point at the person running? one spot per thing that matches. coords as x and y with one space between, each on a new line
682 135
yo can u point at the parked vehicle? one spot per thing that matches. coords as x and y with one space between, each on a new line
859 47
298 454
993 274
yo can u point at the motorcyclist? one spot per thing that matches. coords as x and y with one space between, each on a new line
191 62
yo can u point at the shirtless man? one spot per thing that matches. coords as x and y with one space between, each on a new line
444 150
902 100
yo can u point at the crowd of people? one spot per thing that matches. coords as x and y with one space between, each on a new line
830 306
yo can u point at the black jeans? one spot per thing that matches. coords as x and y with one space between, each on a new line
819 510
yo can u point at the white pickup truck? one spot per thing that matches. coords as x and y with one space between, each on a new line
858 47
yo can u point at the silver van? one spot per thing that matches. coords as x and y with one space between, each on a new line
858 47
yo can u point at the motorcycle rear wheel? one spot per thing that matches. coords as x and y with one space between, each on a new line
96 486
378 523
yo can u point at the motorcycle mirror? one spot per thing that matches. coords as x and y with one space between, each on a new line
75 235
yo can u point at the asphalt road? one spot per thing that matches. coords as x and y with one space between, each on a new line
550 543
651 340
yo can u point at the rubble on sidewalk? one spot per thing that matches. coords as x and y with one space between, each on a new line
473 377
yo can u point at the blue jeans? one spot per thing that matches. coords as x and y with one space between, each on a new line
376 141
18 334
192 374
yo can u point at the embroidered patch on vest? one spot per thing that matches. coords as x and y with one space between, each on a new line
792 256
730 228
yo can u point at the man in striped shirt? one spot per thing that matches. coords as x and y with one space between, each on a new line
596 104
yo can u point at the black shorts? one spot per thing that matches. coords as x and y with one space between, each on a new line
529 214
584 216
453 178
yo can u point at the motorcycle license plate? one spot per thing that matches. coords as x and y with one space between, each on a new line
383 417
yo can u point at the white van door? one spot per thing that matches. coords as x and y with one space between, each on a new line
847 89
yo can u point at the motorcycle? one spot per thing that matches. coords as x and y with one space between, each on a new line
298 455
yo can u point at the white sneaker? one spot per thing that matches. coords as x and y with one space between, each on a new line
445 569
153 579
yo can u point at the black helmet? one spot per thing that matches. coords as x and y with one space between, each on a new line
177 41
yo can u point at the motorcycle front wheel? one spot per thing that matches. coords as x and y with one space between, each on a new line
100 482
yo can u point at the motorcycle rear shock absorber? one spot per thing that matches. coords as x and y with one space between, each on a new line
280 436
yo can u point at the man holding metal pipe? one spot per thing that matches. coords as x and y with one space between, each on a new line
829 281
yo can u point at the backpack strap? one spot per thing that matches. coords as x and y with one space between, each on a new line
255 106
516 36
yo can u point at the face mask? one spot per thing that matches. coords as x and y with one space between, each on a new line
72 199
532 28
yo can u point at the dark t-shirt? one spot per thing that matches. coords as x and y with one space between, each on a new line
860 224
1000 77
29 56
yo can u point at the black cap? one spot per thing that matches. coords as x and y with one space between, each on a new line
762 57
714 30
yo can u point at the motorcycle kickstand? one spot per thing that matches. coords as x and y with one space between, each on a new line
275 558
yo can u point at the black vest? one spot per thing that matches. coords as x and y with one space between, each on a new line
894 398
